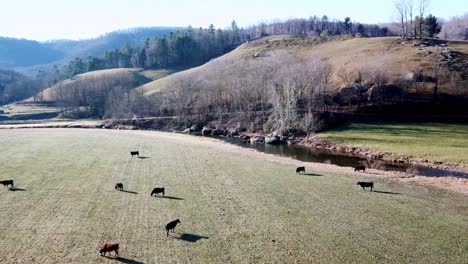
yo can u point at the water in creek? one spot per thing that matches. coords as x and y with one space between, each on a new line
323 156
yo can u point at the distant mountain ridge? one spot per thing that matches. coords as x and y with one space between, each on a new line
21 53
25 53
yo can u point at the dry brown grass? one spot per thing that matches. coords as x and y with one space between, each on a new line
235 207
48 94
340 52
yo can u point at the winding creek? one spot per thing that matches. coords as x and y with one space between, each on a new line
306 154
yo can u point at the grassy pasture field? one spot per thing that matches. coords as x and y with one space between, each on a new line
32 110
436 142
235 205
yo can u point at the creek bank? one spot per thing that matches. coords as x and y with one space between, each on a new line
368 153
275 138
315 142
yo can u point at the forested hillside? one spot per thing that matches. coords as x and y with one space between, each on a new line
192 47
287 82
27 53
24 53
110 41
15 86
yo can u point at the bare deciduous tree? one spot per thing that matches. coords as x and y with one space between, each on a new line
378 73
423 7
400 6
456 28
410 12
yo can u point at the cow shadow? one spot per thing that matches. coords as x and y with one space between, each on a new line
394 193
143 157
192 238
14 189
124 260
169 197
125 191
312 174
374 173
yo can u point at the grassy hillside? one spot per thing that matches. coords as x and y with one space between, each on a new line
140 76
49 94
233 208
349 53
158 74
436 142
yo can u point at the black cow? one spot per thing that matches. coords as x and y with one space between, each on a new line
300 170
360 168
135 153
119 186
7 183
171 226
156 191
365 185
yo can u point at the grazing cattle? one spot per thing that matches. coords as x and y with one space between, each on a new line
119 186
360 168
7 183
171 226
300 170
109 247
157 191
135 153
365 185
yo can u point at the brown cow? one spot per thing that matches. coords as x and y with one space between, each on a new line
109 247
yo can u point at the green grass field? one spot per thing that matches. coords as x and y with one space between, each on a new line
235 206
18 109
436 142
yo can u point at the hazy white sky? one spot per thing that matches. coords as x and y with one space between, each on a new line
78 19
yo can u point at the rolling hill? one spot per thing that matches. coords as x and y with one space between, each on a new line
28 55
110 41
117 76
397 57
243 81
14 86
25 53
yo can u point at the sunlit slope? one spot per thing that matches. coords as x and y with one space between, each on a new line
89 79
396 56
